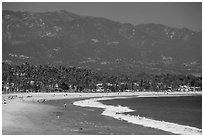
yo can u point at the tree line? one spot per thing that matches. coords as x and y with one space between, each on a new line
46 78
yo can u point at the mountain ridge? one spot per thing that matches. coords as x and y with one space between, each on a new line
65 38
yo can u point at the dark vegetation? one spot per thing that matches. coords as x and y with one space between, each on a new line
44 78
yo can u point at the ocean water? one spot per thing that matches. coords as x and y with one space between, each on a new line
184 110
76 120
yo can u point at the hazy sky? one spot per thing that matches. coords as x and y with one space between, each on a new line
175 14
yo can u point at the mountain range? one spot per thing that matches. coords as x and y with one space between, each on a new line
68 39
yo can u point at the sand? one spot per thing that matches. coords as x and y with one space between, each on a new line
28 114
20 117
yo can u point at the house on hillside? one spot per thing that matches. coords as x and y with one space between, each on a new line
5 88
99 87
184 88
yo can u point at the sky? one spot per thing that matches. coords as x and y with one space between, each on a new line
174 14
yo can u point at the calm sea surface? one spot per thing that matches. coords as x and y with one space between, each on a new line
185 110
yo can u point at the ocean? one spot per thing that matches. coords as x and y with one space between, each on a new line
183 110
76 120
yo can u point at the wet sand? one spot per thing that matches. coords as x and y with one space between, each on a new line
28 114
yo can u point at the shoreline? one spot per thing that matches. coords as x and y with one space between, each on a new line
15 104
66 95
117 113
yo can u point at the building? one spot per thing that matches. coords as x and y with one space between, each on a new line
99 87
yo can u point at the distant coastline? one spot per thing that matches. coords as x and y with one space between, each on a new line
66 95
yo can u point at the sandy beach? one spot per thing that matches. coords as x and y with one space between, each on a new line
29 113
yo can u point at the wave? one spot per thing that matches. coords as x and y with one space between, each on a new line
117 112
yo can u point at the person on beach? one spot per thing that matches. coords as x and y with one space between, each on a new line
65 105
4 102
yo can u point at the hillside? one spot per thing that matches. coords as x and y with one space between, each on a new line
68 39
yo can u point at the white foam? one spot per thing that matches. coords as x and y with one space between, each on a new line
117 113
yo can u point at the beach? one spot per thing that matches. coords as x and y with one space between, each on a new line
35 113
